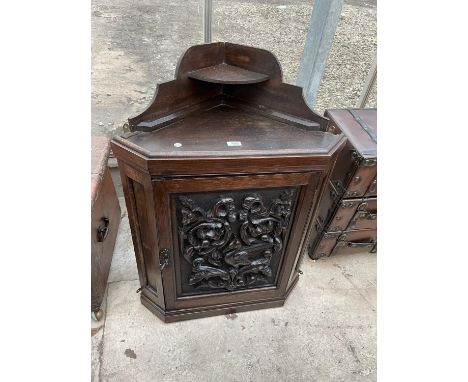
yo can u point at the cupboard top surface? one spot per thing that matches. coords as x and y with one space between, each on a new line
229 131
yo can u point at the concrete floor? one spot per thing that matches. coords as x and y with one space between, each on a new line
326 331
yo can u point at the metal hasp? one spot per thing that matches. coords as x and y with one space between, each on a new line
164 258
323 23
103 230
208 12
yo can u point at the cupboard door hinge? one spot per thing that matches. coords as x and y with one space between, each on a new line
164 258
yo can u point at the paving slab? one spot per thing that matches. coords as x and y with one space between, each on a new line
123 266
97 333
321 334
96 351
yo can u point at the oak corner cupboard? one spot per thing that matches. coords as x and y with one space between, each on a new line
222 174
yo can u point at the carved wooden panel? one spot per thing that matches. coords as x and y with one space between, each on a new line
232 240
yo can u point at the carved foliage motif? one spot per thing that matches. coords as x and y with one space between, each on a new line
231 256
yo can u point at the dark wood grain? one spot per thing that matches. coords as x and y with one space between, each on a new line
229 131
200 56
227 74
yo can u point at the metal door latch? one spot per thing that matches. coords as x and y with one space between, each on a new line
103 229
163 258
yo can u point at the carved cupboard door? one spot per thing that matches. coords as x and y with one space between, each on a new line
223 237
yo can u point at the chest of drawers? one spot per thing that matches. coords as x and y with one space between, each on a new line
347 218
105 220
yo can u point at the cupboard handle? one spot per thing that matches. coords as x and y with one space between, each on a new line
164 258
103 229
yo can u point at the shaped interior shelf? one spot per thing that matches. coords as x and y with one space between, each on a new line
228 74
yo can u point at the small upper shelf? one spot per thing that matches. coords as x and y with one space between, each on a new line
228 74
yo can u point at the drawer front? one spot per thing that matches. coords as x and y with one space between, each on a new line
344 213
327 205
325 245
365 216
356 242
360 181
326 208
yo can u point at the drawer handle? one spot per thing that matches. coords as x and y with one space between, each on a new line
164 259
363 206
353 244
103 230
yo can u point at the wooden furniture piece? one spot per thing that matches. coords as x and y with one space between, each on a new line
221 176
105 220
347 221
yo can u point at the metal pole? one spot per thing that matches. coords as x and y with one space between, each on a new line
323 23
368 85
207 20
